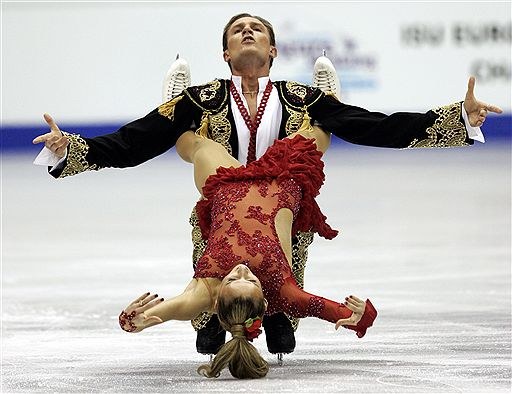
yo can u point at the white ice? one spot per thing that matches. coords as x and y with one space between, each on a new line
425 235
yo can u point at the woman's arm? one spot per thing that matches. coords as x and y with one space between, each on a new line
148 310
354 313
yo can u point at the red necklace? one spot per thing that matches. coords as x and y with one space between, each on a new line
252 126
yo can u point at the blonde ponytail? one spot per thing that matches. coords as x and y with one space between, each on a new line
238 354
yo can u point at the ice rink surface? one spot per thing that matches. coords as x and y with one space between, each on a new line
425 235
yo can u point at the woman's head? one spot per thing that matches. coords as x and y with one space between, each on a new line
240 282
240 301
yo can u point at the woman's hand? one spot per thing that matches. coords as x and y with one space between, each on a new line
133 318
357 306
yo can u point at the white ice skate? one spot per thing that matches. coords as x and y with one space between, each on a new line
325 77
177 79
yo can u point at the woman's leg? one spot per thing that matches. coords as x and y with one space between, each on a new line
206 155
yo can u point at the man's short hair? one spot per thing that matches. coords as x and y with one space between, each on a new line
265 23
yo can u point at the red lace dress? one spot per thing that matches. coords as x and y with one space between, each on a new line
237 217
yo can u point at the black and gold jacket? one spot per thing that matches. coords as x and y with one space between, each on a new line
208 106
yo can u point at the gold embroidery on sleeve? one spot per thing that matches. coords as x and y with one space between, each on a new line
76 161
167 109
447 130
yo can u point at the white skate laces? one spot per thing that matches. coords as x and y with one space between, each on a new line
325 77
177 79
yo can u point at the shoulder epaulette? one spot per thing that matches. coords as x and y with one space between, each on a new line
209 97
297 94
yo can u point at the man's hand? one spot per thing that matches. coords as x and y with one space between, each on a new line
55 141
477 110
133 318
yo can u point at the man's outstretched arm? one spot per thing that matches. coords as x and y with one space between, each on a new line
441 127
133 144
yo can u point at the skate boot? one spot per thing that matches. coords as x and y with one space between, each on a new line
177 79
279 334
325 77
211 337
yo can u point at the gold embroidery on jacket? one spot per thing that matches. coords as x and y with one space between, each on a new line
167 109
220 129
213 95
209 92
202 130
299 259
201 320
198 242
76 161
447 130
296 89
294 121
199 246
300 255
297 95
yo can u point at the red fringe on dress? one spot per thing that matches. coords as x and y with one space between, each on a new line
296 158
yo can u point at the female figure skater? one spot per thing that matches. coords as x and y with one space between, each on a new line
249 214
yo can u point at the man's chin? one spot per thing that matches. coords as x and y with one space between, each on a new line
251 55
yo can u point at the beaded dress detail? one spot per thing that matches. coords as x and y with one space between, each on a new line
238 215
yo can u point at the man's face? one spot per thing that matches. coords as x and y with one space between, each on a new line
248 41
